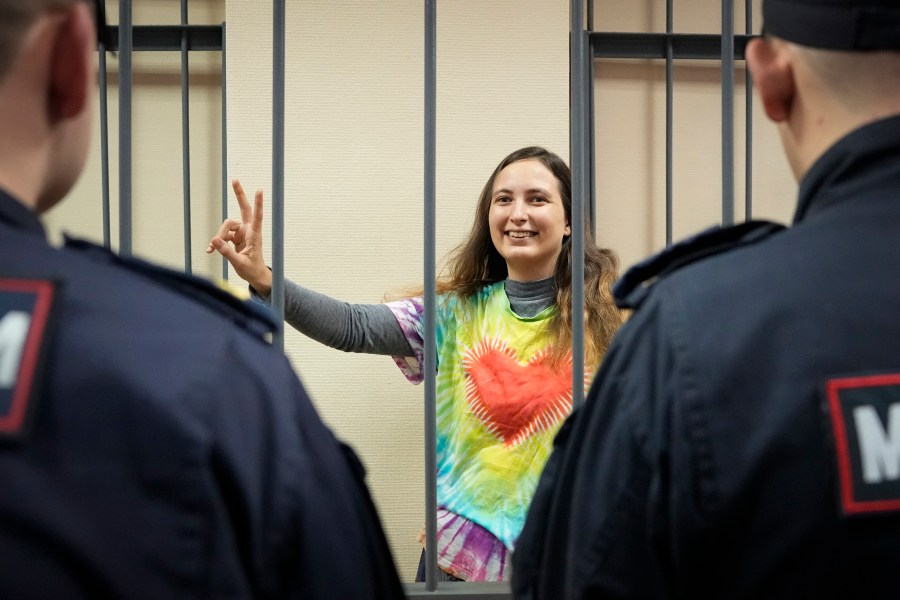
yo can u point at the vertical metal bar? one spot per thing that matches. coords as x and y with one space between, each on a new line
578 69
670 27
278 171
125 78
748 126
225 186
104 144
727 112
429 269
185 139
591 126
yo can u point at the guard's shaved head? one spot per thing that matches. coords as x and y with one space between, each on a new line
15 17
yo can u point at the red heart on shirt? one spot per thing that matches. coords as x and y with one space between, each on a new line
515 400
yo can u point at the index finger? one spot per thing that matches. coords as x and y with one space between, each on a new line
228 226
246 211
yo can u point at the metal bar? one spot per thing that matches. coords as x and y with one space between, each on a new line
591 129
224 140
429 269
278 38
168 37
125 79
670 24
591 207
727 112
579 64
653 45
104 145
185 140
748 126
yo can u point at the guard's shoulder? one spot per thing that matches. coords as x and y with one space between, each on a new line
631 290
249 315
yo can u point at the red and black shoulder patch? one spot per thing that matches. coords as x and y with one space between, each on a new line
865 420
26 308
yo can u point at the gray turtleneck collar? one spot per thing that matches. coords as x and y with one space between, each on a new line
528 298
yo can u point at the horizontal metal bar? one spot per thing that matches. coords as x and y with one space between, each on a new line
168 37
653 45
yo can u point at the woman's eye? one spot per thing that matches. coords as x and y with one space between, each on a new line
538 199
501 200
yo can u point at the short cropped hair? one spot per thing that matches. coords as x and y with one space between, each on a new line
16 16
855 78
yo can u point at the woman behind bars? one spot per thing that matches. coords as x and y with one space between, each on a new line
504 342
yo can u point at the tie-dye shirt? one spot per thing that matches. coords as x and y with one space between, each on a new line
500 402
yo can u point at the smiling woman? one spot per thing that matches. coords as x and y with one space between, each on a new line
504 337
528 221
478 261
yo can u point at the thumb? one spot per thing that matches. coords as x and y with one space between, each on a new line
225 249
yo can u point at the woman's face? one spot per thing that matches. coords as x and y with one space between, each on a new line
527 219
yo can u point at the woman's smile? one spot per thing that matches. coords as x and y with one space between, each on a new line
527 219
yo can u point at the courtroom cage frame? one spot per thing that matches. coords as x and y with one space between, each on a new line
587 46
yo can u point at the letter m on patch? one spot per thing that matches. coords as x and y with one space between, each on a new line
25 319
865 420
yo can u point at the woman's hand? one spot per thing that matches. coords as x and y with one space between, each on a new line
240 242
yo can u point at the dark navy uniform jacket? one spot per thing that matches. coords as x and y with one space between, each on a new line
152 445
742 438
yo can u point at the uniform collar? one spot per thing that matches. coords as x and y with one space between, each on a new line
864 153
17 215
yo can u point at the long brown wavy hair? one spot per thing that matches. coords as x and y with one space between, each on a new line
476 263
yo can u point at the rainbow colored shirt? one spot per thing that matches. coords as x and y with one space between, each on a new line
500 402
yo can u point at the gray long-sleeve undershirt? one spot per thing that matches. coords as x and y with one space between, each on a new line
372 328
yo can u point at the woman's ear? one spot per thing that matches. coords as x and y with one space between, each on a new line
773 76
71 75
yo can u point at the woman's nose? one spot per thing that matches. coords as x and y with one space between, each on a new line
519 211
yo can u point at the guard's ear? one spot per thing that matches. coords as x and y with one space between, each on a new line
773 75
71 68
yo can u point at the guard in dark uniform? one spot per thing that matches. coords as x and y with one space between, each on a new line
152 444
742 439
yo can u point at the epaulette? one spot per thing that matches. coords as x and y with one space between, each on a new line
247 314
631 290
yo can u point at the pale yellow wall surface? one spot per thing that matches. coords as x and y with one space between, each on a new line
630 127
157 149
354 148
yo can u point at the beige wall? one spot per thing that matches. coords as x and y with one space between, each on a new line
354 164
157 206
630 123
